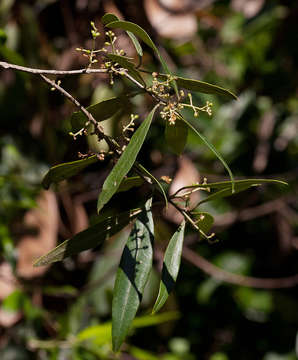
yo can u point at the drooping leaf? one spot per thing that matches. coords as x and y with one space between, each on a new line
203 220
100 111
212 148
176 136
142 34
132 275
129 183
170 269
66 170
201 86
136 43
87 239
124 163
127 64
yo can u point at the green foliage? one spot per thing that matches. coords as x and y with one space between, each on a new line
168 97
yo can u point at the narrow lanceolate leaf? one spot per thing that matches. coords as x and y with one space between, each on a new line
87 239
100 111
176 136
170 269
128 65
64 171
201 86
132 275
142 34
215 152
125 162
107 18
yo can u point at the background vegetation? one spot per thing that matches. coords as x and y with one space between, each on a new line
63 312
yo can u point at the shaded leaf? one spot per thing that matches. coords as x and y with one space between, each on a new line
136 43
129 183
132 275
176 136
127 64
66 170
100 111
201 86
124 163
170 269
87 239
203 220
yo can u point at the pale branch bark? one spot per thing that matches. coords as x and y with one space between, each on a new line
248 281
97 128
6 65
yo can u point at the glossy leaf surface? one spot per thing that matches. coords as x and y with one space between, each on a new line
132 275
176 136
125 162
87 239
170 269
64 171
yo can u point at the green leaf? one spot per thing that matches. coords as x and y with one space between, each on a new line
136 43
125 162
170 269
176 136
129 183
127 64
212 148
87 239
201 86
100 111
66 170
203 220
142 34
132 275
107 18
153 178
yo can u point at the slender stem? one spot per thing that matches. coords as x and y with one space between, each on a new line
98 129
6 65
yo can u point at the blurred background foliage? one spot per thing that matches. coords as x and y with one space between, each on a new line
63 312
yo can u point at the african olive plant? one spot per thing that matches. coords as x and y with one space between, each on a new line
170 94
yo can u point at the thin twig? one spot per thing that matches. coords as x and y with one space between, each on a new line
6 65
111 142
249 281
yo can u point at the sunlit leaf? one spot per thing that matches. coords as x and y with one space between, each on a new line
87 239
132 275
124 163
129 183
176 136
66 170
170 269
